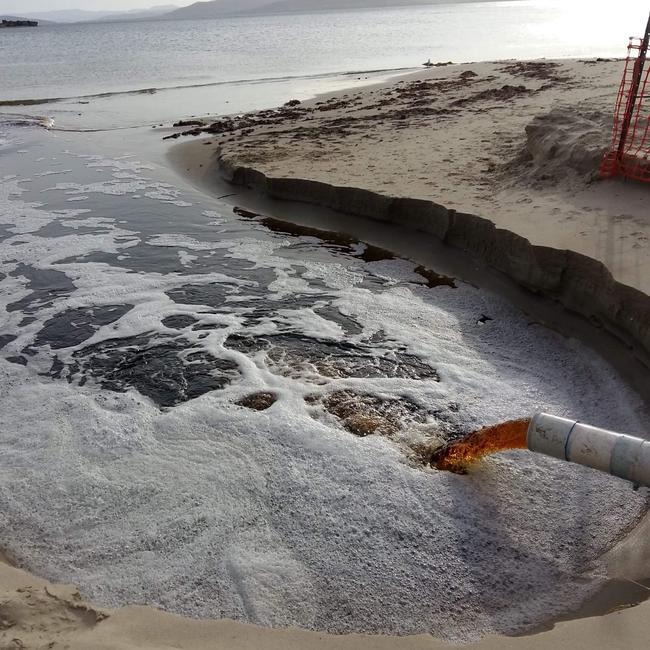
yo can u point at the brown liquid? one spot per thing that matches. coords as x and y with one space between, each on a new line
456 456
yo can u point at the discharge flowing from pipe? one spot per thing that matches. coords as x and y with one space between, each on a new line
457 456
624 456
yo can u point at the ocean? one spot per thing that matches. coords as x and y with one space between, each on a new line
236 64
138 315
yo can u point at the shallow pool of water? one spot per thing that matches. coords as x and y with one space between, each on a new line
137 319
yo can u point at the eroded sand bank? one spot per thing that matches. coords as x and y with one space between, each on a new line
498 159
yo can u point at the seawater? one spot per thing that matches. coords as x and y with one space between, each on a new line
244 63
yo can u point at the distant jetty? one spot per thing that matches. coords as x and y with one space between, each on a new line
19 23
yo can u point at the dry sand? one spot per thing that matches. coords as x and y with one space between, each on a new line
456 135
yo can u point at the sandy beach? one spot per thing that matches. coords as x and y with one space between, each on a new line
498 159
514 143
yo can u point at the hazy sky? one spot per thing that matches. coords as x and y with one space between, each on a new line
30 6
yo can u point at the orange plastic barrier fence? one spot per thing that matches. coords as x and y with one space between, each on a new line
629 153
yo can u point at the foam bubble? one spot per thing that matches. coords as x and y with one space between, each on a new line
20 216
90 222
119 164
217 219
174 240
186 259
54 172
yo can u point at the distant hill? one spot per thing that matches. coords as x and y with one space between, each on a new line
84 16
137 14
280 6
66 15
215 9
218 8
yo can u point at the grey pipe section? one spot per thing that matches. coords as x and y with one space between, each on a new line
608 451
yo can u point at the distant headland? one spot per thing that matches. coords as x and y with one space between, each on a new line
19 23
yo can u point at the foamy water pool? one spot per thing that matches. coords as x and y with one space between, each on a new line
135 314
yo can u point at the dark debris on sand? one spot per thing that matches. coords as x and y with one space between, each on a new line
401 105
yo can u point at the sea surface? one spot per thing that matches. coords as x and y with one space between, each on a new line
143 322
237 64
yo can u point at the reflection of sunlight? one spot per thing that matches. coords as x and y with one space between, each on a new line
589 21
582 7
598 17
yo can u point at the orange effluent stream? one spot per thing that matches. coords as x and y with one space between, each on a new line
458 455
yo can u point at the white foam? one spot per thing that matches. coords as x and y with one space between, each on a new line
112 187
54 172
22 217
310 324
70 212
278 518
171 240
121 185
119 164
168 194
186 259
217 219
90 222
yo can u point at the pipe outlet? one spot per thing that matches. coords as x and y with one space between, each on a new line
608 451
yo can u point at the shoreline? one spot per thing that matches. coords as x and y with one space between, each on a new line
576 281
196 164
143 627
586 285
282 155
37 613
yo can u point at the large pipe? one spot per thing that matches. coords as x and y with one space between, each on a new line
620 455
